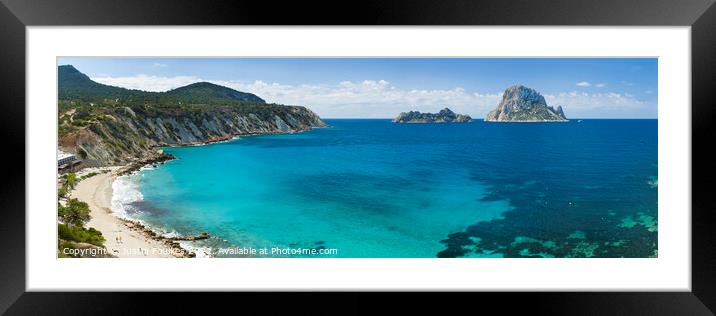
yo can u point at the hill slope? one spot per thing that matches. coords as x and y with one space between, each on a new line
108 125
206 90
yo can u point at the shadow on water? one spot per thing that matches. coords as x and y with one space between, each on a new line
592 194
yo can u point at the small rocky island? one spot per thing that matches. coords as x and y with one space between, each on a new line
444 116
522 104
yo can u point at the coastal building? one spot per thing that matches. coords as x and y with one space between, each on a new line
65 159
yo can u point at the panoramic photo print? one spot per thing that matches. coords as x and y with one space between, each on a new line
357 157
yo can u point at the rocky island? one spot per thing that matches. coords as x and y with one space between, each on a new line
444 116
522 104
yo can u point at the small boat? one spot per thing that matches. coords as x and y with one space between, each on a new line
579 121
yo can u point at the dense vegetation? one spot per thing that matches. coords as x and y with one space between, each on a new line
75 213
80 234
73 216
68 182
71 233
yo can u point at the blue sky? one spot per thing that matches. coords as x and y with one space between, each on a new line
383 87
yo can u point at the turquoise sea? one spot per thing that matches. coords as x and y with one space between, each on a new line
372 188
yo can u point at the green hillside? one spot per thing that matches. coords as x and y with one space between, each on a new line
76 89
109 125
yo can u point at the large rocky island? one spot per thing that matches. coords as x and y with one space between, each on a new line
444 116
106 125
522 104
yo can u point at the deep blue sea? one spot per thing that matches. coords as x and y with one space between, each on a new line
372 188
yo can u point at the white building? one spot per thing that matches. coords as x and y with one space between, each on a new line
64 158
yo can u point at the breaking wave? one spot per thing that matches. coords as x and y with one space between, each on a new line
125 191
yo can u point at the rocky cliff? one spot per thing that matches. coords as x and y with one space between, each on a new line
444 116
107 125
522 104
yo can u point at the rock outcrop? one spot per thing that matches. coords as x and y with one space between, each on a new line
119 137
444 116
522 104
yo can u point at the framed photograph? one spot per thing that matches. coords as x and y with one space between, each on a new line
399 147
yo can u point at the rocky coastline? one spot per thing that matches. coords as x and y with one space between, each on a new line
152 158
172 242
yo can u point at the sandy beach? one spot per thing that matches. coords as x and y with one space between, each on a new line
96 191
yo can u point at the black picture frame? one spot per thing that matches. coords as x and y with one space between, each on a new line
700 15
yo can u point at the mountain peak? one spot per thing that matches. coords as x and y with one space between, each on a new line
73 84
69 72
519 91
204 84
67 69
523 104
211 90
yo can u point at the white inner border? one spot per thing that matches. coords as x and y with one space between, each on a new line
671 271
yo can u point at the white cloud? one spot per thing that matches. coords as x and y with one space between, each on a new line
600 85
583 84
147 83
159 65
380 98
582 104
368 98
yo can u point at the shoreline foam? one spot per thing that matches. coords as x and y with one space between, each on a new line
136 239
